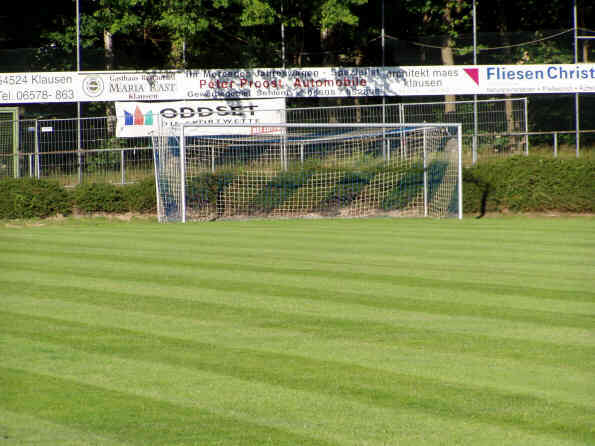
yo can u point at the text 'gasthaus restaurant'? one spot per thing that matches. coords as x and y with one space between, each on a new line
551 73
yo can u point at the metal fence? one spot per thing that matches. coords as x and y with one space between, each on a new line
74 151
493 127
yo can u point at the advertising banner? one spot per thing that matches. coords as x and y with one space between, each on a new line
20 88
136 119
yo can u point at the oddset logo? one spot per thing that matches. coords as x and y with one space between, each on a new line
138 118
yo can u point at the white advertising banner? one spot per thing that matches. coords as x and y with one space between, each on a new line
136 119
20 88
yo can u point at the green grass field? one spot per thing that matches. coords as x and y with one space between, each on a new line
298 332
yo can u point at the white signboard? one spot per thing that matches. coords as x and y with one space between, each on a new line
19 88
145 118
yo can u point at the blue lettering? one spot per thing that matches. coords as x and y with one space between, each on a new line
491 72
551 73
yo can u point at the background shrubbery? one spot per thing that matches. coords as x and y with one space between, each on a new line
516 184
29 198
530 184
104 197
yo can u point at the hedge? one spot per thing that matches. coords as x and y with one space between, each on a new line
110 198
516 184
530 184
31 198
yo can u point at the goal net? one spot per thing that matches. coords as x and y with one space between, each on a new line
299 170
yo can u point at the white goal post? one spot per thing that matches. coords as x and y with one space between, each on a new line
204 172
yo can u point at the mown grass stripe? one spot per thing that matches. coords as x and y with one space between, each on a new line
328 327
404 257
342 421
315 309
223 281
19 429
325 329
367 385
458 245
394 271
560 234
572 381
359 311
135 419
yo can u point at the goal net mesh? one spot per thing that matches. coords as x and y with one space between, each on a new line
298 170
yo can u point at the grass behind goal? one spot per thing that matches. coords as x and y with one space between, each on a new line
309 332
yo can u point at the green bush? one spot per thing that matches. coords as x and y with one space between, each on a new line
204 190
32 198
517 184
100 197
530 184
140 197
104 197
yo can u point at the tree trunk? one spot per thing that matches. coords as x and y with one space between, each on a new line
176 57
327 60
448 59
508 106
586 43
108 49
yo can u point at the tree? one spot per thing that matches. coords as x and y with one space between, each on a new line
333 21
448 18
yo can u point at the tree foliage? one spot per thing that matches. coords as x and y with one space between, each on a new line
233 33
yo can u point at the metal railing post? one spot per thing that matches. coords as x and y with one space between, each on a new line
37 161
425 173
526 127
183 172
460 169
122 168
402 128
213 159
78 147
16 161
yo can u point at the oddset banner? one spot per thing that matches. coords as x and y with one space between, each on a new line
137 119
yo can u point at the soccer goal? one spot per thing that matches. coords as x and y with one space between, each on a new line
206 172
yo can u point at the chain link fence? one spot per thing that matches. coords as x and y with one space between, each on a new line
74 151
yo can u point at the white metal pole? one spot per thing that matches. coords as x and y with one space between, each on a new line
402 129
576 95
37 166
382 39
425 173
475 124
460 188
183 173
213 158
122 167
78 104
526 127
